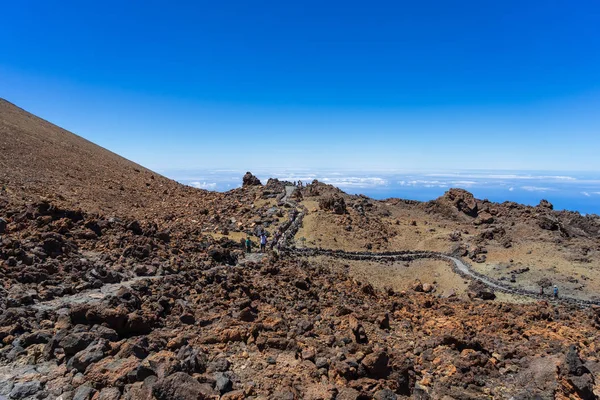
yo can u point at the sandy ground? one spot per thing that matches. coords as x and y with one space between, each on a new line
400 276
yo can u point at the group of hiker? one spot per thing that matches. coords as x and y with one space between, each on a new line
263 242
262 235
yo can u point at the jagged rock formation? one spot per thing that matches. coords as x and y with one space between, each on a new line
250 180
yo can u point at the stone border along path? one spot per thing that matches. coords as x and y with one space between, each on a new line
458 265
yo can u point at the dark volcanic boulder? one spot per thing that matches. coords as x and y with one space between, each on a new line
578 377
333 203
376 364
75 342
221 255
480 291
548 223
545 204
250 180
178 386
462 200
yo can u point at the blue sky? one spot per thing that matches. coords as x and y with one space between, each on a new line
349 85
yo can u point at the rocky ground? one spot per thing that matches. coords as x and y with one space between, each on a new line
194 318
153 296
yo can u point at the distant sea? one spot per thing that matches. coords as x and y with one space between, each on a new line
574 191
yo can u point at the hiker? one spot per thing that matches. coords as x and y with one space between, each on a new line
248 245
555 292
263 242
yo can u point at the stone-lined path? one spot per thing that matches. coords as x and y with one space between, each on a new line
459 266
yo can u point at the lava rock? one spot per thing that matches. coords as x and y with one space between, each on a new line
376 364
22 390
178 386
250 180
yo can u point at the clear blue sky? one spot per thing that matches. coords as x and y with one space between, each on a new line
314 84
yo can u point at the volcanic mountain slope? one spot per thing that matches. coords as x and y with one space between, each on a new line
158 301
38 158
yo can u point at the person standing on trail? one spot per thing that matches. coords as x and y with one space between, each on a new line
248 245
555 292
263 242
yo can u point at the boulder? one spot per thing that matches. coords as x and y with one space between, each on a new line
83 392
250 180
462 200
93 353
384 394
480 291
545 204
23 390
376 364
75 342
111 393
383 321
417 286
428 287
577 375
192 360
334 203
179 386
357 330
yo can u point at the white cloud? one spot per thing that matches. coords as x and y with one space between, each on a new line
503 176
586 194
419 182
204 185
536 189
510 189
353 181
464 183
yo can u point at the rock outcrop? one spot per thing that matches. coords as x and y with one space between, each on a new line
250 180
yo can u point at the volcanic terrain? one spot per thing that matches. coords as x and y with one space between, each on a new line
118 283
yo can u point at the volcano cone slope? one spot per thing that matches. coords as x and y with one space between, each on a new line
38 158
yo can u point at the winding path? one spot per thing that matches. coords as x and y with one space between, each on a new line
460 266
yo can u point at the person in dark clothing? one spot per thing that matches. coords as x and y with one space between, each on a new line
248 245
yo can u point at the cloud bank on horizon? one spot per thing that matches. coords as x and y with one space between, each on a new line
578 192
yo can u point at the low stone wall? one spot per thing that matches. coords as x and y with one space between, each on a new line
286 245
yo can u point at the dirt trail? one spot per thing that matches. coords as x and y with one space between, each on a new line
289 190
